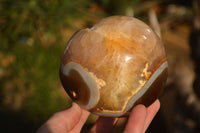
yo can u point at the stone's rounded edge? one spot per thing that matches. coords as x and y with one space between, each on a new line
121 17
87 79
70 40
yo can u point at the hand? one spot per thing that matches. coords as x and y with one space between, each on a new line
72 120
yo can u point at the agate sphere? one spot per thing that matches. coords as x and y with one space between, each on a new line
116 64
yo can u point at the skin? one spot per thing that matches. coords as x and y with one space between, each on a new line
72 120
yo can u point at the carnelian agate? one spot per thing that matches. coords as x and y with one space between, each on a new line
105 68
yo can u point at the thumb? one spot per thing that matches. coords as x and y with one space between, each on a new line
63 121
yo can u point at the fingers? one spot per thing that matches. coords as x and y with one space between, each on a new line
103 125
81 122
151 112
136 120
65 120
72 120
141 117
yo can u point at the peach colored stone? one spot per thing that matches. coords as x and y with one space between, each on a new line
115 59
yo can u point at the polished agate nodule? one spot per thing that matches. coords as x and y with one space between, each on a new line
109 68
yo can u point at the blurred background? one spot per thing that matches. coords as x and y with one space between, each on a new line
33 35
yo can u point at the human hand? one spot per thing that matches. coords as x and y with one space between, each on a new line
72 120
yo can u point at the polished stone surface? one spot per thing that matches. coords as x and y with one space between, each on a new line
119 54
